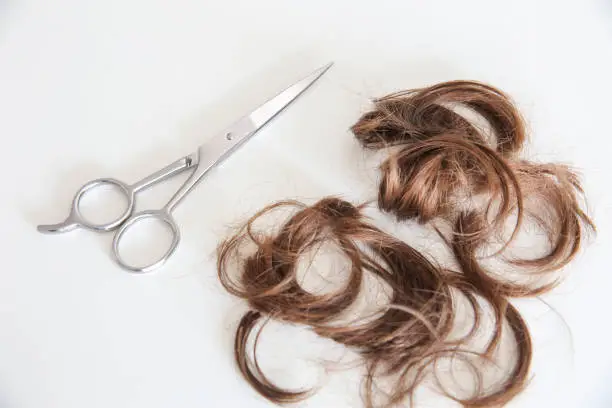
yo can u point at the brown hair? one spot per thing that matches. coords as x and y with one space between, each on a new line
444 162
444 168
411 333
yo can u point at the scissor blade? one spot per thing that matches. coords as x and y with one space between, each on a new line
220 148
276 105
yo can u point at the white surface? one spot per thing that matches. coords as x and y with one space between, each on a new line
120 88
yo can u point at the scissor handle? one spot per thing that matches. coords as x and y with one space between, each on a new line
161 215
77 219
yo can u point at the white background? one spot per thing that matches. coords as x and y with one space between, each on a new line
121 87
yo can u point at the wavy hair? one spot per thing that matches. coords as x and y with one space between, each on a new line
452 159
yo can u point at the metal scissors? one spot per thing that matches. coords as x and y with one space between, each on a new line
206 157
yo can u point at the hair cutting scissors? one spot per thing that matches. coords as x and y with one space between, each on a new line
206 157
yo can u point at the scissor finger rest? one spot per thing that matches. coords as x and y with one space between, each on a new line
160 215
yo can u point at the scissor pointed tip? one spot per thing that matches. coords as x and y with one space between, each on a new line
324 68
306 82
274 106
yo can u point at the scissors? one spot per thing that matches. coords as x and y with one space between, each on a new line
205 158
